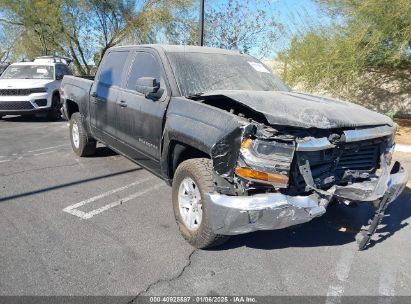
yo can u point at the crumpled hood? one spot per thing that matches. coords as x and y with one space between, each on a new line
24 83
305 110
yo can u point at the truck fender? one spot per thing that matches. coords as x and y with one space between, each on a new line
195 125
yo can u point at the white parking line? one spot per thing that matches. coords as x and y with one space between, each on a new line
386 287
5 160
336 289
42 149
47 152
120 201
72 209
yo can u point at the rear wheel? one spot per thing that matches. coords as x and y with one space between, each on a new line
54 112
82 144
192 180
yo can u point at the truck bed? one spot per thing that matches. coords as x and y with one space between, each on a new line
76 89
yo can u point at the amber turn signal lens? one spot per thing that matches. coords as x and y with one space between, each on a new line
263 176
246 143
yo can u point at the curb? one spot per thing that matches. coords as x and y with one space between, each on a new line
403 148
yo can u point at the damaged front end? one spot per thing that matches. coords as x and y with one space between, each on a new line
274 178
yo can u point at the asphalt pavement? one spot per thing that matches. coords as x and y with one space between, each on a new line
103 226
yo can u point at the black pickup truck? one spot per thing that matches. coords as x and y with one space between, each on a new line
241 150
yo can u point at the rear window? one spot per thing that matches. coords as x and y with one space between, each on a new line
112 68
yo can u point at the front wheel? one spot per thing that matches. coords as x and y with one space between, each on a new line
192 180
82 144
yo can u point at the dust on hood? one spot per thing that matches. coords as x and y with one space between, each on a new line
305 110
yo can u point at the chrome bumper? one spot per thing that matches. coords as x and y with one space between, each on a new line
230 215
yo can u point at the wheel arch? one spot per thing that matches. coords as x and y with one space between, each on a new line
71 107
179 152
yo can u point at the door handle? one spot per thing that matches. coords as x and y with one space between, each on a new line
97 98
122 103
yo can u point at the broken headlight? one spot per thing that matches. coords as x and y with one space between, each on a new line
389 148
265 161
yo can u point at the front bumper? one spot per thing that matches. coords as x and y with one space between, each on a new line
231 215
21 105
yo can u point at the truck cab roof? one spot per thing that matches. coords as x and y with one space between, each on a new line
181 49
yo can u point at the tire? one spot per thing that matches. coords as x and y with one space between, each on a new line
54 112
200 172
82 144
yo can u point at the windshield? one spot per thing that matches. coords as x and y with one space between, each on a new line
28 72
201 72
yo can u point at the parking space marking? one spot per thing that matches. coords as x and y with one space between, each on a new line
47 152
387 281
4 160
48 148
121 201
336 290
72 209
18 156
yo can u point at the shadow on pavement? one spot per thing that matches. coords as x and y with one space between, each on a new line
397 213
337 227
104 152
56 187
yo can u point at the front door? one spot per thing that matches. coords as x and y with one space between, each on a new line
141 118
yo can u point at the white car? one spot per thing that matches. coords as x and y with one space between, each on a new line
28 88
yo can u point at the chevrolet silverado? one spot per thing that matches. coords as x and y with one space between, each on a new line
241 150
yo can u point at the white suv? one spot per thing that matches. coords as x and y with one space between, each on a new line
28 88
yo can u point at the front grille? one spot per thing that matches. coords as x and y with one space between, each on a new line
346 162
15 92
15 105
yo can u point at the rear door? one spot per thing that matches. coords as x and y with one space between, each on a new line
141 118
104 94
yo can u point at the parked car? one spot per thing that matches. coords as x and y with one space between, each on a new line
241 150
28 88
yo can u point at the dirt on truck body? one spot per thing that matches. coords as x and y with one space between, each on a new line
241 150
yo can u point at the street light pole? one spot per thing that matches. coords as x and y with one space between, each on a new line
201 24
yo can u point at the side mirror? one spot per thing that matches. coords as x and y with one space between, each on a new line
59 76
147 86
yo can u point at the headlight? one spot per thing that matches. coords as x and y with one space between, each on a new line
266 161
38 90
389 148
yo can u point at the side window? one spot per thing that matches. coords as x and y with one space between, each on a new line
144 65
59 70
113 67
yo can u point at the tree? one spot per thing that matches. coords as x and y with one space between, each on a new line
370 39
84 29
244 25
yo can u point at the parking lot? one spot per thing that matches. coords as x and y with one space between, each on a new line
103 226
